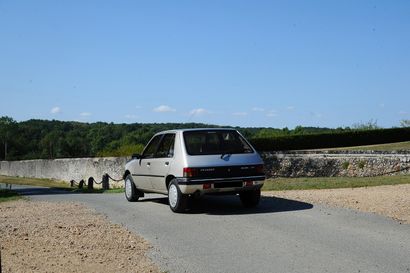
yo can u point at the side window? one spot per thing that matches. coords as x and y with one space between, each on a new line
166 148
151 148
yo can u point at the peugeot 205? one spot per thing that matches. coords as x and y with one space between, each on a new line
194 162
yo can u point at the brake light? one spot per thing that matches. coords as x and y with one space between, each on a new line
190 172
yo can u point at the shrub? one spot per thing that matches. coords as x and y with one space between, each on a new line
345 165
331 140
361 164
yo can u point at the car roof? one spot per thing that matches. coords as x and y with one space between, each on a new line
195 129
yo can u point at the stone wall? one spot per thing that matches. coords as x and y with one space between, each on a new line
67 169
291 164
326 164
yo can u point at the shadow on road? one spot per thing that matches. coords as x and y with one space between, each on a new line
27 190
213 205
231 205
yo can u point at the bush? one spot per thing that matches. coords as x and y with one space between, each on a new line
345 165
331 140
361 164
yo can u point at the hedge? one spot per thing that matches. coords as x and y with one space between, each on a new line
332 140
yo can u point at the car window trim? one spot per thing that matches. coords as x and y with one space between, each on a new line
238 134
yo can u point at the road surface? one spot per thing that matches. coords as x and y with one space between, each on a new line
281 235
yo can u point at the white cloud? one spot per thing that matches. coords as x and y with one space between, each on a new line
240 114
138 107
85 114
258 109
290 108
198 111
163 109
403 112
382 105
272 113
131 116
55 110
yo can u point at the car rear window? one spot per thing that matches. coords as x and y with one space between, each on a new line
215 142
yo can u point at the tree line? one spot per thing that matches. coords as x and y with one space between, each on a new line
35 138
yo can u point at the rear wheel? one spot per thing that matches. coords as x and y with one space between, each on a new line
131 192
177 200
251 198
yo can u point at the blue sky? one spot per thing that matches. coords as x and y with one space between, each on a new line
247 63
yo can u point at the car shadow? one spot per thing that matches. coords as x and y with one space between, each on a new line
208 204
231 205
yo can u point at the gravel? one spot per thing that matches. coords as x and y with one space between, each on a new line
39 236
391 201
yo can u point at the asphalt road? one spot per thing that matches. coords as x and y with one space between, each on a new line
282 235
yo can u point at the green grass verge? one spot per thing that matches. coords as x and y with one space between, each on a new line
8 195
51 184
379 147
308 183
34 182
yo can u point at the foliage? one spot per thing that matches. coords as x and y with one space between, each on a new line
64 139
124 150
333 139
405 123
361 164
370 125
345 165
7 127
8 195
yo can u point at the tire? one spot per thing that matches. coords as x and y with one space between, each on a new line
177 200
251 198
131 192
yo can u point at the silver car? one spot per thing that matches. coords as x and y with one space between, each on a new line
193 162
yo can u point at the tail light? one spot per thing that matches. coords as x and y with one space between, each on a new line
190 172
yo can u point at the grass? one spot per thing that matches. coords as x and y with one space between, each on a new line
51 184
378 147
34 182
308 183
8 195
277 184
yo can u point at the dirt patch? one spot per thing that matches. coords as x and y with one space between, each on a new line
391 201
66 237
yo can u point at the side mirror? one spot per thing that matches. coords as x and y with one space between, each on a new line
136 156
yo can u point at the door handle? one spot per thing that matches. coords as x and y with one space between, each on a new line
148 164
166 163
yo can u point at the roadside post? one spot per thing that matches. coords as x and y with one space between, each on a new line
90 184
105 182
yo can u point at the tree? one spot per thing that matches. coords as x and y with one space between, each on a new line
7 124
370 125
405 123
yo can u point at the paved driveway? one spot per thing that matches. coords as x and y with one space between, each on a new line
280 236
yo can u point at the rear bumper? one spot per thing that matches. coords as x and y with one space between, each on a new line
219 185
